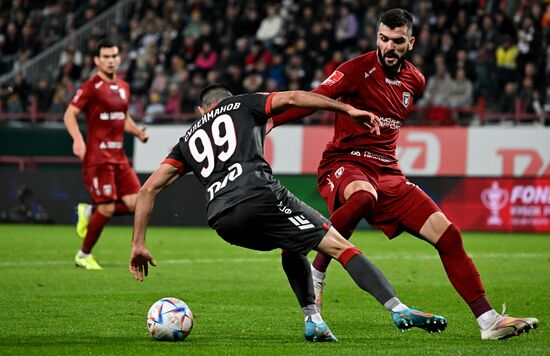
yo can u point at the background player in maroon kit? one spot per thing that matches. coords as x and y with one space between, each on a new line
359 176
107 174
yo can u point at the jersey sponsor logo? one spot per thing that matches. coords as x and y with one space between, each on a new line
234 171
406 98
111 145
339 172
334 78
393 82
374 155
301 222
117 115
390 123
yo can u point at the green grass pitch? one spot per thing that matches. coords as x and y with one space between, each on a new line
242 302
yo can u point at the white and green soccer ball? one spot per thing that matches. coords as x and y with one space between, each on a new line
170 319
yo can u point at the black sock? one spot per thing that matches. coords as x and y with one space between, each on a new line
369 278
298 272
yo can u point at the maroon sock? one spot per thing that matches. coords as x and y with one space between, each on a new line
462 271
345 220
121 209
95 226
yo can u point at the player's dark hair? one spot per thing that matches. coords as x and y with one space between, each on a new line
104 43
397 18
214 93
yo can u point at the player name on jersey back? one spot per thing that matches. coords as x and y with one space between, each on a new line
210 115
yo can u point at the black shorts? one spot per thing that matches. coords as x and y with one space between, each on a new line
274 219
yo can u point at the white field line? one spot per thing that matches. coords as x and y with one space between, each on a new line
271 258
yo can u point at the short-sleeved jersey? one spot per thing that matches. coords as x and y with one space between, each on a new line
225 150
362 83
105 105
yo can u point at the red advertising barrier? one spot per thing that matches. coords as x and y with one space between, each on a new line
499 204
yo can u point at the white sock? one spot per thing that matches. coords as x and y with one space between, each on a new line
316 318
81 254
487 319
316 274
399 307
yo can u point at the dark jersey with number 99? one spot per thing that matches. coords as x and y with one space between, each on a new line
225 150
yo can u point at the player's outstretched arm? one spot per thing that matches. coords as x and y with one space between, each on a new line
309 100
140 257
71 123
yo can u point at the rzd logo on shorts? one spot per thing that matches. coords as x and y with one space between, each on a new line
301 222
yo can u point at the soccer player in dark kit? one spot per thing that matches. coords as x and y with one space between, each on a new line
107 174
248 207
359 177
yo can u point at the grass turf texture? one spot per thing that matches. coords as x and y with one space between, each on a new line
241 300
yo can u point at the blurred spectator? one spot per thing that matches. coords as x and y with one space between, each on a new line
462 96
346 28
42 94
526 36
439 88
528 96
173 100
15 98
507 102
270 27
153 108
506 60
462 90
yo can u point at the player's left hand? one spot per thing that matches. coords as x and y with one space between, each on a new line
143 135
139 263
366 118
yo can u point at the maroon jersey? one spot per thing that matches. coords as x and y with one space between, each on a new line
106 105
362 82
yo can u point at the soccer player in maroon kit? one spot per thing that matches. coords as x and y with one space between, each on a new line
359 177
111 182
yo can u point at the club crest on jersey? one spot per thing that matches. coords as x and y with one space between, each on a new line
107 189
122 93
334 78
406 98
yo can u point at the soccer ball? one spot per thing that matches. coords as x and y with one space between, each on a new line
169 319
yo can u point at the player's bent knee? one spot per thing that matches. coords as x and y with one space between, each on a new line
434 227
106 210
358 185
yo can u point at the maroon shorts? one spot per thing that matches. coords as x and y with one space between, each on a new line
109 182
401 205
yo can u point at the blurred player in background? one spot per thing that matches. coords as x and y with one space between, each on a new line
106 172
359 177
248 207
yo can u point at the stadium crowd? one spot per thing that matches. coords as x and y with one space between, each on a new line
484 52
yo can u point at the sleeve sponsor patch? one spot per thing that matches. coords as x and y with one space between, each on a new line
334 78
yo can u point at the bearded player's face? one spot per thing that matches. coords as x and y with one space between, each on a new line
393 45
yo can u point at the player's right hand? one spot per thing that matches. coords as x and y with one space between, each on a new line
140 259
366 118
79 149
